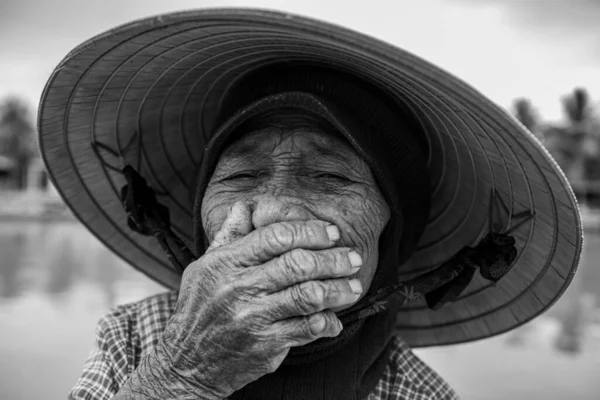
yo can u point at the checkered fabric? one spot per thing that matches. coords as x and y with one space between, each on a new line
127 334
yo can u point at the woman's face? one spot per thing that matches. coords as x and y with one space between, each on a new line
300 173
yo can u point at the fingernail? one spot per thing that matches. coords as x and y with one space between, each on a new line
333 232
355 259
340 326
356 286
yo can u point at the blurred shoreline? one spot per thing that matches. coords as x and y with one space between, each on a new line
33 205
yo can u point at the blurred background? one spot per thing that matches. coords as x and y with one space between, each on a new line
539 59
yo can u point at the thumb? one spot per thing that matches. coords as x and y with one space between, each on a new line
237 224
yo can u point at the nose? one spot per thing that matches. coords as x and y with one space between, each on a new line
271 209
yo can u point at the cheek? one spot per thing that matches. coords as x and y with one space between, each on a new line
362 215
364 212
214 210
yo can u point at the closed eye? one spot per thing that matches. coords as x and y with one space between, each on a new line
241 175
331 176
333 179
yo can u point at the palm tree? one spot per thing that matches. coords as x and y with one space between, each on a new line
578 111
17 141
527 115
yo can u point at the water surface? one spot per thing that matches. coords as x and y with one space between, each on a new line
56 280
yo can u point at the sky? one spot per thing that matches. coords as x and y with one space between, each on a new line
538 49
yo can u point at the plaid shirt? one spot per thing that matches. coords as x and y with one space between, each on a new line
128 333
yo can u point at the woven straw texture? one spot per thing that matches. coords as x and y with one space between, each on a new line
165 78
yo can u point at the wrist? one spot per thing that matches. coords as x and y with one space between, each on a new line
190 383
156 379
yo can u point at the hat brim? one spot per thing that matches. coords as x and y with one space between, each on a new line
159 82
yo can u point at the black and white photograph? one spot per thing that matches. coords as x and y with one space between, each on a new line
300 200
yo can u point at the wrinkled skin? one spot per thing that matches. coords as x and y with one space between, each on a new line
285 178
272 277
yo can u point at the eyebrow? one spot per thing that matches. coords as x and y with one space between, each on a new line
243 150
330 152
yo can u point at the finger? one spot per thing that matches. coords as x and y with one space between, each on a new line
294 332
263 244
311 297
237 224
301 265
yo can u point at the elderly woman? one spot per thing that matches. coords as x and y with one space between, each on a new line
317 201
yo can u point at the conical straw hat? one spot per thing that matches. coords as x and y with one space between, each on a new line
165 77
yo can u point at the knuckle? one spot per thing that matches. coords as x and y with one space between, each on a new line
317 325
200 266
201 273
309 296
334 291
279 236
245 316
225 289
219 262
307 328
300 263
230 284
335 260
251 318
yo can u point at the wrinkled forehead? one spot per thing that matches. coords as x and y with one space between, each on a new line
284 131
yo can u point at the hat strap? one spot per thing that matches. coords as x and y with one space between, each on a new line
493 257
148 217
145 215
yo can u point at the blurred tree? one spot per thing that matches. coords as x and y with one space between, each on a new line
526 114
577 107
576 145
17 138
